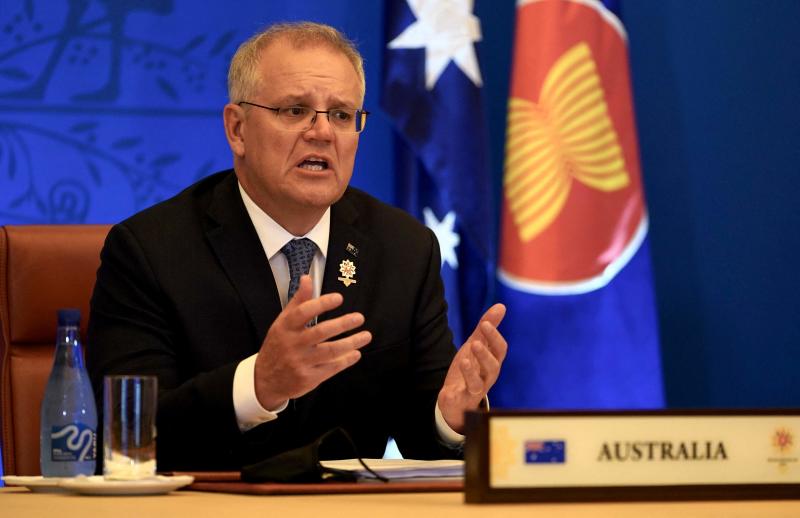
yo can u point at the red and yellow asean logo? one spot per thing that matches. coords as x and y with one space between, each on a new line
573 211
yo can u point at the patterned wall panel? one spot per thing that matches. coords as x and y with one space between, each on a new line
108 106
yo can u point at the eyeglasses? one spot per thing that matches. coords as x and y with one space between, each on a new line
302 118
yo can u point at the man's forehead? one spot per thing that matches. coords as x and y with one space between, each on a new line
310 96
284 48
300 72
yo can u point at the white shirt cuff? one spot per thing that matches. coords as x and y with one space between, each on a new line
249 412
447 434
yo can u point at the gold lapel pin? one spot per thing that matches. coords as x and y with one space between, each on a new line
348 271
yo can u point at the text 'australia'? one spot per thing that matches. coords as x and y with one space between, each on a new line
662 450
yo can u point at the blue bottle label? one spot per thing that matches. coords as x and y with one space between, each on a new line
72 442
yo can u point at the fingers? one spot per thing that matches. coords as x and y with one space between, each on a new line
334 327
487 334
304 291
333 352
479 369
488 364
331 358
493 340
302 308
327 370
494 314
317 351
472 377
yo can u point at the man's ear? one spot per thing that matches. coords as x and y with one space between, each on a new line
233 118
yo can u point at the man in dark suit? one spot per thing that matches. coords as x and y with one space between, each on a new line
273 302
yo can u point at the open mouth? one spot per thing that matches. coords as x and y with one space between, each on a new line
313 164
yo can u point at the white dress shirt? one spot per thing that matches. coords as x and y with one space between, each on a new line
249 412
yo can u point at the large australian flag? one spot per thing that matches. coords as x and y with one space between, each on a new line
432 93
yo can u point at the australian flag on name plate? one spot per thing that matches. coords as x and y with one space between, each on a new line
545 452
432 93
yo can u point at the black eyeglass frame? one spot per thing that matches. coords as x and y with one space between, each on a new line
358 113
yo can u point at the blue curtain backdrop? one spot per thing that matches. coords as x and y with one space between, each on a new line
107 106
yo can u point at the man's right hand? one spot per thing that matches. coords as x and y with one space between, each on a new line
295 359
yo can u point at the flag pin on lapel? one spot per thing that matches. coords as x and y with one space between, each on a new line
351 249
348 271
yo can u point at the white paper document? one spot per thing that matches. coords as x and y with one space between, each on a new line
401 469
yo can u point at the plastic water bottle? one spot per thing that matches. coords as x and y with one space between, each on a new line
68 434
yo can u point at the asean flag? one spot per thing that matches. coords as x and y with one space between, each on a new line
574 266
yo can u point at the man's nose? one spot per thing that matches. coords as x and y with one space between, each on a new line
320 129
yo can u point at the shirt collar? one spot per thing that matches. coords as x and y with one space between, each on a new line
273 236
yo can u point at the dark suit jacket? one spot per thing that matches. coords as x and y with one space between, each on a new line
185 292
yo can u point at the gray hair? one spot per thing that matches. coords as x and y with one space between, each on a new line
243 78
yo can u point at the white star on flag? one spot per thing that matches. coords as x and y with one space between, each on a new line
445 233
447 29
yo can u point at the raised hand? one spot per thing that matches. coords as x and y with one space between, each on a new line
474 369
294 359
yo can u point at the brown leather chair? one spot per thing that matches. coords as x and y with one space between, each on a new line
42 268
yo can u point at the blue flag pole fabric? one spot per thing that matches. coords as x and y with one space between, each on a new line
574 265
432 93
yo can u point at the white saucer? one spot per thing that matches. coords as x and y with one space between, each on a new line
37 484
97 485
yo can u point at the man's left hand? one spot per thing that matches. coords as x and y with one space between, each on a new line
474 369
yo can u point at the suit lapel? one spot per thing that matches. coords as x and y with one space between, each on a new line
234 240
235 243
348 259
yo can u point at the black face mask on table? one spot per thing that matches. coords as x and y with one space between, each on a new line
302 465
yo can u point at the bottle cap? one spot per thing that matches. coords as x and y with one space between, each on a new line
69 317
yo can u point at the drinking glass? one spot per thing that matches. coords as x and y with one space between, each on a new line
129 427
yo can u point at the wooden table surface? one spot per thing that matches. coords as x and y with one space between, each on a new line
19 502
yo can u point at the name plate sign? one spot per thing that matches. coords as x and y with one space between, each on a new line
569 456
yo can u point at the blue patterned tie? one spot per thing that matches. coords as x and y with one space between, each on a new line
300 253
